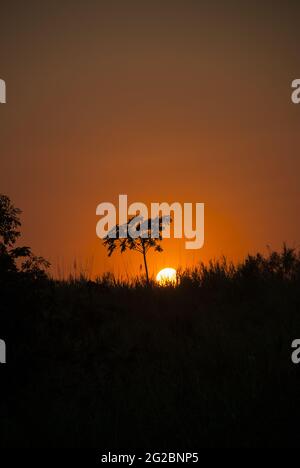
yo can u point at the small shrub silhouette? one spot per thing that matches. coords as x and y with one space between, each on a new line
122 240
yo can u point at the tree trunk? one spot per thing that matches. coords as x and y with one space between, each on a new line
146 267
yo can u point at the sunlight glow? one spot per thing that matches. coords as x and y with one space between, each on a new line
166 276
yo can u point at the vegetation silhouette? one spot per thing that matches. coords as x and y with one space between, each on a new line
31 265
149 235
114 364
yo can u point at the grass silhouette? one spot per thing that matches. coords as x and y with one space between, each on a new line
115 364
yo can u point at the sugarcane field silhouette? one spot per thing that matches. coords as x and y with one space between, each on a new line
205 362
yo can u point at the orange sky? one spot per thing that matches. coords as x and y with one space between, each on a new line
164 101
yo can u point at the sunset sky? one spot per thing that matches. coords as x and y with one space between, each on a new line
185 101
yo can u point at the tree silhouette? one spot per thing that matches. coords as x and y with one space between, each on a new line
147 235
31 265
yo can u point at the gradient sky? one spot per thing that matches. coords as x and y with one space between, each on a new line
164 101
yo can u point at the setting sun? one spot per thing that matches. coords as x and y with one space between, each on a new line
166 276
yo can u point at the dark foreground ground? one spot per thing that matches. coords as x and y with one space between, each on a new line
105 365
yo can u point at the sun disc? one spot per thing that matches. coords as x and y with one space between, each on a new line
166 276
